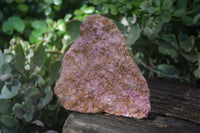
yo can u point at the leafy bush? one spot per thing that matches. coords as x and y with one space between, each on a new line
26 96
164 34
27 75
17 17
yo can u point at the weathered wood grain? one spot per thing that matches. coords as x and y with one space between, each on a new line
175 100
175 109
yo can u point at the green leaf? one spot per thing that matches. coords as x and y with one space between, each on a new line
179 13
4 106
57 2
89 10
5 69
39 25
169 70
188 44
122 9
17 23
47 99
171 38
165 17
23 7
48 1
48 11
113 9
9 1
9 57
73 29
196 18
36 36
54 71
197 73
157 2
152 10
57 8
53 107
9 91
1 59
61 26
49 21
167 4
78 12
39 55
29 110
167 49
187 20
133 34
38 80
28 116
9 121
67 17
182 4
191 57
18 110
129 5
29 92
20 58
7 27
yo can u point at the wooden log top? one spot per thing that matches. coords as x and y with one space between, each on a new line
175 109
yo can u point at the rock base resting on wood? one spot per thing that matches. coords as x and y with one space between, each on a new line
175 109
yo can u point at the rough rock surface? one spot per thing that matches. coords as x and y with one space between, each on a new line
99 75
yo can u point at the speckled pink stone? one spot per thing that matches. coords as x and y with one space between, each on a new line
98 74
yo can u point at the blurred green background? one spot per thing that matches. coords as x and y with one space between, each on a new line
163 37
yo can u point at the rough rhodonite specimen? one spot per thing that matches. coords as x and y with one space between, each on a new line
99 75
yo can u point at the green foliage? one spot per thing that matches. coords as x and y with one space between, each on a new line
13 23
83 12
25 18
26 92
164 34
28 72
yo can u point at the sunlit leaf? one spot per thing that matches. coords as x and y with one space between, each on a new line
39 25
57 2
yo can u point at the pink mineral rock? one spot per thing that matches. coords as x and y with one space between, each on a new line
99 75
